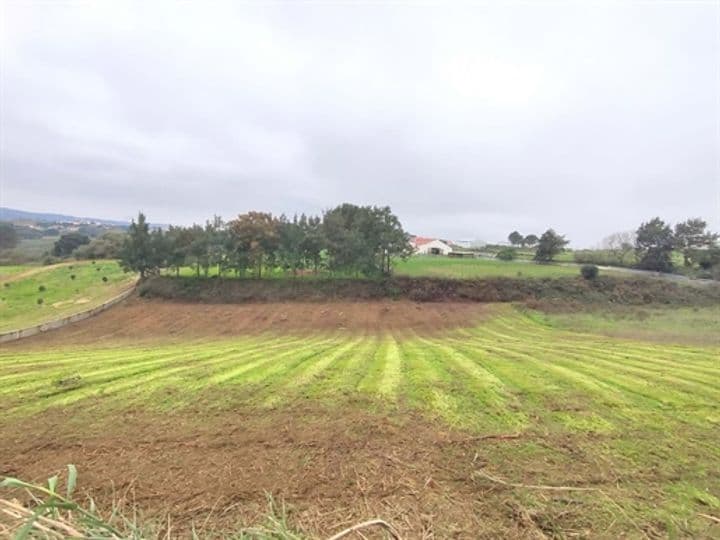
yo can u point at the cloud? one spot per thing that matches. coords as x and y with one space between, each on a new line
470 121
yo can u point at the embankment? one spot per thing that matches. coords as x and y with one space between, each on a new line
620 290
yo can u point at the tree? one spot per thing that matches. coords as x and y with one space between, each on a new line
619 244
138 253
516 238
313 241
589 271
345 229
256 234
506 254
392 241
107 246
549 245
654 243
691 236
68 243
364 239
8 236
290 249
531 240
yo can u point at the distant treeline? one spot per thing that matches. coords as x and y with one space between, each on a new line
349 239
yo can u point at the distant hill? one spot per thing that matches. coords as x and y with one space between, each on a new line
11 214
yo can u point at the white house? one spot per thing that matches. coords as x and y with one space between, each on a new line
430 246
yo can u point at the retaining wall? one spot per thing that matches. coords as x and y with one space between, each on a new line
59 323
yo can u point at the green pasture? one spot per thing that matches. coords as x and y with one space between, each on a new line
11 270
639 421
57 291
449 267
681 324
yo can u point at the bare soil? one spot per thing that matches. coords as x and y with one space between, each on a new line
152 320
214 469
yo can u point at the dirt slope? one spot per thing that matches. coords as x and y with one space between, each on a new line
150 320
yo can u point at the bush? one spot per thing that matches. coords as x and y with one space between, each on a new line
105 279
41 288
589 271
40 301
6 285
72 276
506 254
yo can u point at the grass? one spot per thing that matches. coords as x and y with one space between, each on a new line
640 420
10 270
682 324
448 267
54 292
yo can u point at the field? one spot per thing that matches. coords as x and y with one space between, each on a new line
428 265
448 420
699 325
33 295
11 271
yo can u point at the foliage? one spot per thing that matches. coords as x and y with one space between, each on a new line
620 246
654 245
8 236
140 251
589 271
68 243
531 240
348 239
256 236
506 254
602 257
516 238
690 237
107 246
364 239
550 245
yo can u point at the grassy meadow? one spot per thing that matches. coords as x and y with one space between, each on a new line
699 325
639 421
55 291
449 267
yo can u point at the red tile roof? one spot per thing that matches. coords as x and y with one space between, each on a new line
419 241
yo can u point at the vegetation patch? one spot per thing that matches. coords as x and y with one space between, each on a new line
604 289
52 292
366 420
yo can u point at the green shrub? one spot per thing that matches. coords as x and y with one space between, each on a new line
105 279
41 288
506 254
40 301
72 276
589 271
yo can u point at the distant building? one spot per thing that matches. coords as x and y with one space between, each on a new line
430 246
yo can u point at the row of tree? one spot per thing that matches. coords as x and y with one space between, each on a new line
350 239
655 241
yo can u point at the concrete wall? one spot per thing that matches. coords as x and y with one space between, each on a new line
59 323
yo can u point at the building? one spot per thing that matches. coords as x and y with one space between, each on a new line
430 246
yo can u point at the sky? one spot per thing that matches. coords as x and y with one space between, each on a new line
470 121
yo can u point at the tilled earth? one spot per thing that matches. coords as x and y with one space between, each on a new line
150 320
216 469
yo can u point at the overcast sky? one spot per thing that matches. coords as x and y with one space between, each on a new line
468 121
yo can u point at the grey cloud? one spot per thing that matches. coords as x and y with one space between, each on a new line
470 121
